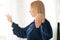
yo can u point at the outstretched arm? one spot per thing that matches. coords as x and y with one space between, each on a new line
20 32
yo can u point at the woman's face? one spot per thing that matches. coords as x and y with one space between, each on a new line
33 12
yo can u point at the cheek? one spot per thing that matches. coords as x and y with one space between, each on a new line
32 13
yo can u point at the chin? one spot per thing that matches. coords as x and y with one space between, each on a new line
33 16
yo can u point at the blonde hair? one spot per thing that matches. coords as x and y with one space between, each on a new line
39 7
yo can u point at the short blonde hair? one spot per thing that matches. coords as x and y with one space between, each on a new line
39 7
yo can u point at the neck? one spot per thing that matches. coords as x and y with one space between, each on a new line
38 21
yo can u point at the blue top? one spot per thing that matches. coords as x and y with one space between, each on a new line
32 33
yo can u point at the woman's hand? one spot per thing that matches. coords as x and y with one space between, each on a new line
9 18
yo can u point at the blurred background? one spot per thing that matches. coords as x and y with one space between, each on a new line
19 9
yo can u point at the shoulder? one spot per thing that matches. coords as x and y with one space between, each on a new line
46 24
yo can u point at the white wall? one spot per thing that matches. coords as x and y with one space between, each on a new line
19 9
58 10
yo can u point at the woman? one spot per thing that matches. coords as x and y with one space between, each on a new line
39 29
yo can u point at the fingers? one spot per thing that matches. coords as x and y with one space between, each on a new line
9 18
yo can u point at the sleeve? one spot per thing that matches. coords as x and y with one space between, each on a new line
46 31
19 32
